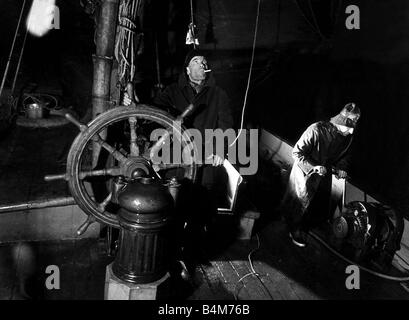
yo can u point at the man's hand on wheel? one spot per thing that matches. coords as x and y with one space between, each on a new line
127 101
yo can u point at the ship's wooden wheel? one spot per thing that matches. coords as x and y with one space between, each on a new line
123 135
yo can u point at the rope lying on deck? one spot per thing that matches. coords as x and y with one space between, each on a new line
378 274
252 273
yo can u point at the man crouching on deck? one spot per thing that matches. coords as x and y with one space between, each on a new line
321 149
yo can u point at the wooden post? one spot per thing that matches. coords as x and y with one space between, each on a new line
105 45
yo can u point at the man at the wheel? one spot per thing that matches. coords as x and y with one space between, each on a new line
196 85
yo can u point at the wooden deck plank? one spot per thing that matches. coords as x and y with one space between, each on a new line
202 287
281 255
258 290
216 283
276 280
325 279
228 277
238 258
249 281
283 271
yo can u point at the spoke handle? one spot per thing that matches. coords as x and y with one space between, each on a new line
74 121
53 177
133 145
85 225
187 112
115 153
158 144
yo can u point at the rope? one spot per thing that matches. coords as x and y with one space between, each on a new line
40 99
252 273
250 71
378 274
191 13
277 40
159 85
337 15
191 34
12 48
314 19
19 62
315 236
129 40
314 28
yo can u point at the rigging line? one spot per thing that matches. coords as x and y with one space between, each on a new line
277 40
191 13
12 48
19 62
337 15
253 272
192 24
308 21
250 71
315 20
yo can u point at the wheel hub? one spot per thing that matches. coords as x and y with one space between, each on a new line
136 167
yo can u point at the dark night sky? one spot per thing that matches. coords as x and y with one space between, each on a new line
299 78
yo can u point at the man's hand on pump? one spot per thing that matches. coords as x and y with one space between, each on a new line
341 174
320 170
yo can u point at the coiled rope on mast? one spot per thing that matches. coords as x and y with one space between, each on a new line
129 43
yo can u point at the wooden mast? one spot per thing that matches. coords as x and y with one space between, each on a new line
103 58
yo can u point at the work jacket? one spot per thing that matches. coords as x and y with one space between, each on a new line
212 112
212 104
321 144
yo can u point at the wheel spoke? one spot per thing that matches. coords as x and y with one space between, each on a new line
115 153
132 128
103 204
167 166
158 144
116 171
